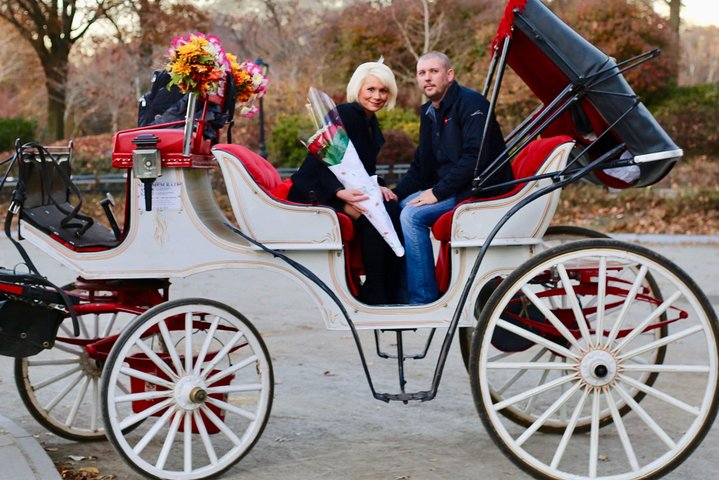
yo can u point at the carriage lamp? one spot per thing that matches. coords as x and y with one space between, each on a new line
146 164
265 70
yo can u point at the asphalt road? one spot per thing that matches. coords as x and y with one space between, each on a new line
324 423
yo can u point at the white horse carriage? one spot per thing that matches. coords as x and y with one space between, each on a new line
606 348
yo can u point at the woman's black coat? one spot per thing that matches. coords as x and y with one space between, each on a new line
315 183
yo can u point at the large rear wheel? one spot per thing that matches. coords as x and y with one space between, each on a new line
587 360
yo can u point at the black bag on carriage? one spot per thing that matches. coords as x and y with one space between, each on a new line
30 314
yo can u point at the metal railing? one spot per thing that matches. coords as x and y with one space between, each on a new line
115 182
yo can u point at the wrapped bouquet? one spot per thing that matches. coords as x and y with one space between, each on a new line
331 143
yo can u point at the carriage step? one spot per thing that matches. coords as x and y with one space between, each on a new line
404 396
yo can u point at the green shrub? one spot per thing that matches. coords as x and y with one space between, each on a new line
689 115
398 148
400 119
284 147
14 128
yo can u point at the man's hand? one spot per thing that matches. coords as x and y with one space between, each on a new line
387 194
424 198
352 197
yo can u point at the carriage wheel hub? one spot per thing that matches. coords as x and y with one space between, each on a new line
190 392
598 368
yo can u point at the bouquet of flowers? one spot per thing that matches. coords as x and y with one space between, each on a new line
197 64
251 85
331 143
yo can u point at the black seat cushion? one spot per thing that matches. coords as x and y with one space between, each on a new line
48 218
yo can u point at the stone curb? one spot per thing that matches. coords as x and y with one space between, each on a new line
21 455
666 238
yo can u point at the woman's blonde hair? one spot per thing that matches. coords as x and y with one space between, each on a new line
376 69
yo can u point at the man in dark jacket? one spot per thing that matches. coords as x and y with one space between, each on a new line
451 128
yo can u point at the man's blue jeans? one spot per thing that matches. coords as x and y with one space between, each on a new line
419 258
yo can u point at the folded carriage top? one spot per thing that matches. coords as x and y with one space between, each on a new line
549 56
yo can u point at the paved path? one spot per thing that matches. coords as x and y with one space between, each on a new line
324 424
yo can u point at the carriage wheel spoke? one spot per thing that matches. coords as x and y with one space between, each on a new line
132 397
187 439
661 342
63 393
627 302
152 432
155 358
96 325
69 348
220 424
250 387
594 433
647 321
95 403
188 341
111 323
556 323
601 294
646 418
622 431
576 308
542 379
571 425
562 400
229 371
161 382
169 440
206 345
661 395
231 408
45 363
137 417
170 346
222 353
534 391
205 437
56 378
78 400
526 334
83 328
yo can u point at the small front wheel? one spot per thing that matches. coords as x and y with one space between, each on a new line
597 356
201 389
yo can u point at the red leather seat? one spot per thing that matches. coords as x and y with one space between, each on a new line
526 164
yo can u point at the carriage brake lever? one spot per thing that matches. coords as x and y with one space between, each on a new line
146 163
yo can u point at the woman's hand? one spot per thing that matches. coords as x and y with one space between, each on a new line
352 197
387 194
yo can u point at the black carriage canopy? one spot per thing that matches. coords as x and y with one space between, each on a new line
558 64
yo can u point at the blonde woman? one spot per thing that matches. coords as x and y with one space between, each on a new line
371 88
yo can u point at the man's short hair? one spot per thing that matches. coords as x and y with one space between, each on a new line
438 55
376 69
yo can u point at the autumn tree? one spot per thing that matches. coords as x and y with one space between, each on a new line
624 29
52 27
154 24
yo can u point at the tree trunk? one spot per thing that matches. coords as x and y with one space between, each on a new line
56 71
675 7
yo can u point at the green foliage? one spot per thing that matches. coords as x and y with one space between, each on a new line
284 147
398 148
689 115
14 128
401 119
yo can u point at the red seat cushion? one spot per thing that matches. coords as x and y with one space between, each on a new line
260 169
525 165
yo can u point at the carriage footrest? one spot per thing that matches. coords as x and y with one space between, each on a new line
404 396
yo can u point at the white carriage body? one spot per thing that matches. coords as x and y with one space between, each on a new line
185 233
